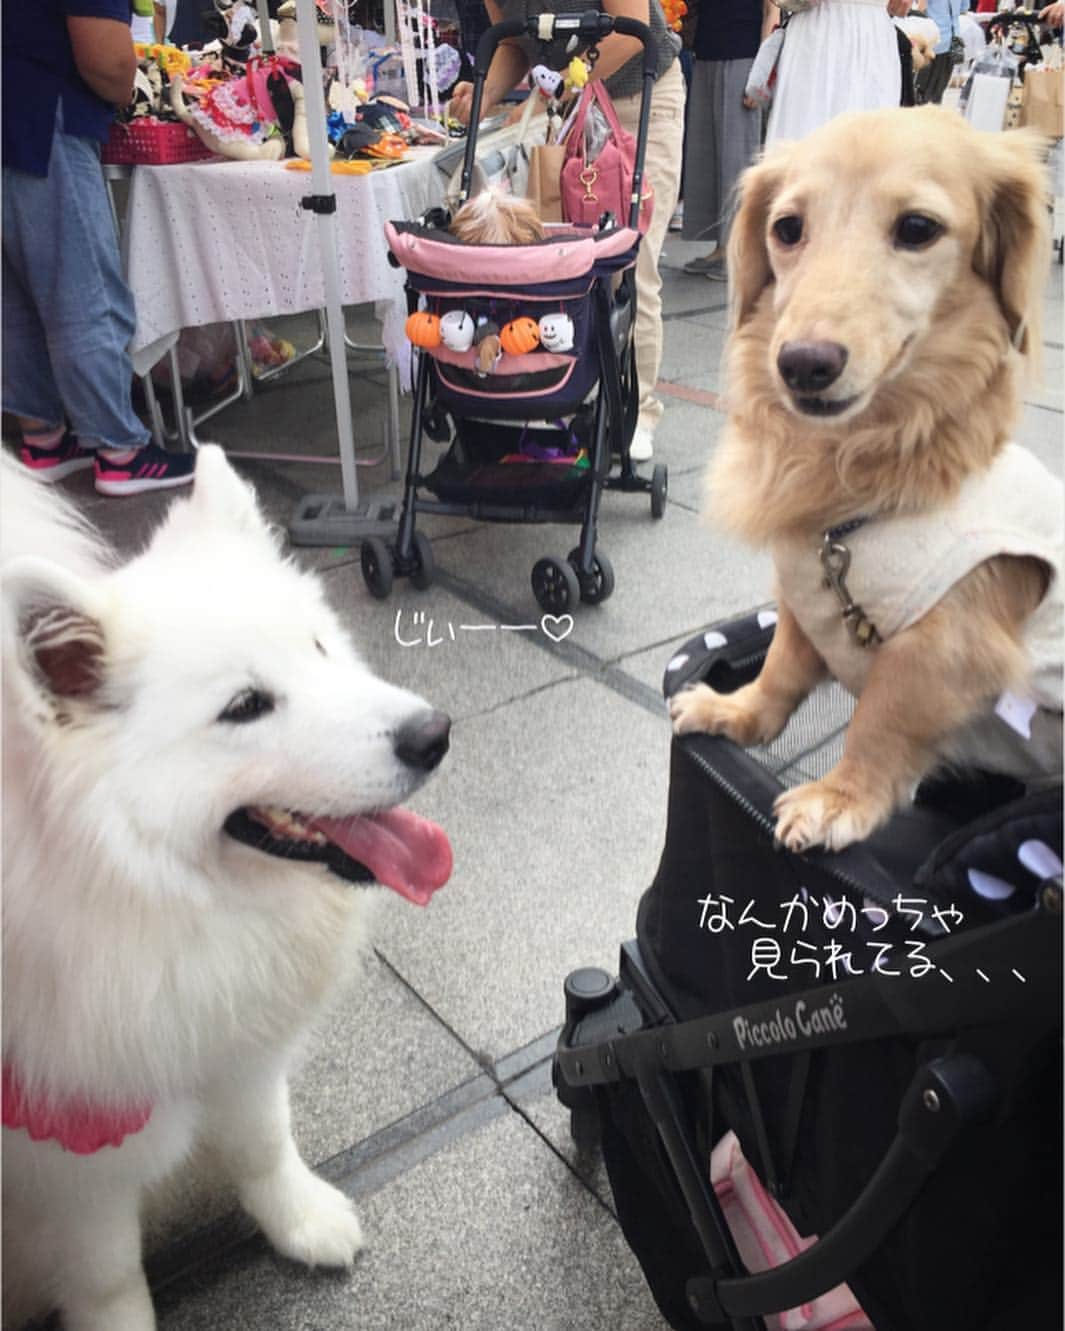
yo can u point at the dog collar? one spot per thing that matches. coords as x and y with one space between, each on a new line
77 1125
833 534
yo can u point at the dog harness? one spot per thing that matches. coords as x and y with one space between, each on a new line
77 1125
868 580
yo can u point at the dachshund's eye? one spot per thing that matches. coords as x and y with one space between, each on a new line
913 231
248 705
788 230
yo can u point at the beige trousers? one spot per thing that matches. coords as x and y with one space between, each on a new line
662 167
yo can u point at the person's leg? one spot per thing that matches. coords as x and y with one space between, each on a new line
71 272
663 160
29 389
700 172
71 276
687 65
738 133
939 72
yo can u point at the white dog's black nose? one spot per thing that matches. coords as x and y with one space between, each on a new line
810 367
423 742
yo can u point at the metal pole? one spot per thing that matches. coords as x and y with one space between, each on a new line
322 185
266 35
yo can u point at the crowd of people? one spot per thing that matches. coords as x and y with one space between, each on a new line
835 56
68 315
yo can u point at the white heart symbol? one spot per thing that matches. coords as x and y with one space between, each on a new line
557 627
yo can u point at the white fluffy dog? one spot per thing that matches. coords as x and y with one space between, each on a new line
195 760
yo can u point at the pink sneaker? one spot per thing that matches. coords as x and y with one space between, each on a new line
52 464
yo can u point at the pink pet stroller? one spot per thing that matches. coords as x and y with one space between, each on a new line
540 437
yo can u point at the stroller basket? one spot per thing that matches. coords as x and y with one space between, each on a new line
538 395
907 1112
500 283
485 463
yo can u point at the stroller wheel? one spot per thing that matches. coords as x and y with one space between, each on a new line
598 585
424 562
555 586
584 1132
659 489
376 561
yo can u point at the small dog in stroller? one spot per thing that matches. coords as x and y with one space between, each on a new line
494 217
888 273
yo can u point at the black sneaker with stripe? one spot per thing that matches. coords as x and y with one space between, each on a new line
150 468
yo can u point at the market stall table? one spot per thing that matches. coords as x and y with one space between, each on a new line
214 242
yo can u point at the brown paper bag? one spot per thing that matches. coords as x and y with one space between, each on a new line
1043 107
545 175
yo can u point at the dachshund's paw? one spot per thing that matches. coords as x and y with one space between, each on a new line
822 814
734 715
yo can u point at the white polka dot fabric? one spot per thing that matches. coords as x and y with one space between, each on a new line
207 242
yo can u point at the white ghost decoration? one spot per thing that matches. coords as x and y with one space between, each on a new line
456 330
556 332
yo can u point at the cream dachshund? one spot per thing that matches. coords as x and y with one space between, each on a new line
887 275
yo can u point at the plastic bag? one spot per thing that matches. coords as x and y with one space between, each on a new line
987 89
206 357
596 134
502 157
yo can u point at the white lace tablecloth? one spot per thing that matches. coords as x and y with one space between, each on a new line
208 242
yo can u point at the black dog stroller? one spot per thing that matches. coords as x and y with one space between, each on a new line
880 1028
533 439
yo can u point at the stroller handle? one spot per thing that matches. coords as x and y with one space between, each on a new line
589 27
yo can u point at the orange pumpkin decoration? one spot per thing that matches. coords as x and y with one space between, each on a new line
423 328
520 336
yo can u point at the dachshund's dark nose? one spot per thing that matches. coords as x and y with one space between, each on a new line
810 367
422 743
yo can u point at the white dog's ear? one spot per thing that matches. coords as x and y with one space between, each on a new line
1014 243
55 618
749 271
219 494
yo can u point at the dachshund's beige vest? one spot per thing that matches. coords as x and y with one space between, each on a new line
902 565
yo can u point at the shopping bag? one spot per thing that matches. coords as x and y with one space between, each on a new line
544 189
597 172
1043 106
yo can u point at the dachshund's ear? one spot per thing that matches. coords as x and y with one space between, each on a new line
748 258
1012 250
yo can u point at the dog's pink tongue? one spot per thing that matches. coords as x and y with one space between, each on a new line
402 851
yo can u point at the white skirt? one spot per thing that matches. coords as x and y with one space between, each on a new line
840 55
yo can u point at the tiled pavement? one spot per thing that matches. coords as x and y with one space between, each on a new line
427 1093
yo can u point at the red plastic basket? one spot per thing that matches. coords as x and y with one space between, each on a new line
150 142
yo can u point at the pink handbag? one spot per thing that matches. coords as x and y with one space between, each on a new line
590 189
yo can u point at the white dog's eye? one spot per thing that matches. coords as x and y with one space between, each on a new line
248 705
788 230
914 230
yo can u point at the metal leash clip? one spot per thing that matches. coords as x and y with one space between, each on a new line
836 560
